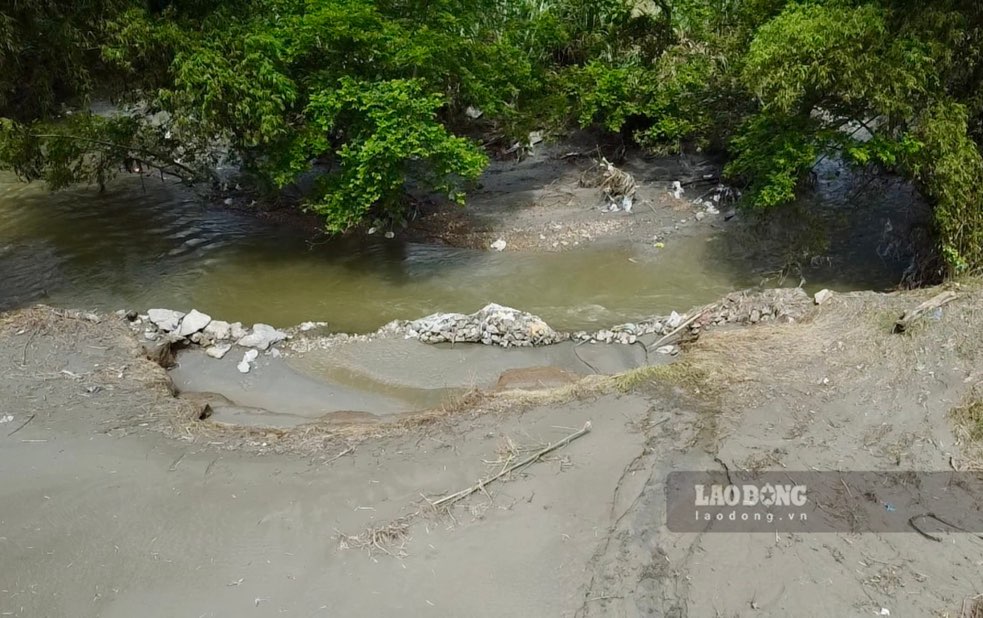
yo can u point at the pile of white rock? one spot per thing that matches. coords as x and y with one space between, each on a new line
491 325
215 336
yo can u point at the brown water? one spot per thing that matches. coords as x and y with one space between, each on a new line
149 244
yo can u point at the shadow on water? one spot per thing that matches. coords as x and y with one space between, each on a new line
850 232
147 244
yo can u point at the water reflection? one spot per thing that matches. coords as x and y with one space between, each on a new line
145 244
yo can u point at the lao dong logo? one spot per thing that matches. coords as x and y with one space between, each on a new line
767 495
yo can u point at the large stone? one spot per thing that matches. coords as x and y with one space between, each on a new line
236 331
193 322
262 337
218 330
822 296
165 319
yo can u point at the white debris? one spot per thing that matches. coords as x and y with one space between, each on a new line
674 320
6 418
535 137
473 112
247 358
390 234
499 245
677 189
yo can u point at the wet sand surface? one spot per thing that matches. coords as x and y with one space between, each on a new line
409 363
94 525
381 377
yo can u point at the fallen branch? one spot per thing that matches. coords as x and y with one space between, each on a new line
480 485
191 174
931 304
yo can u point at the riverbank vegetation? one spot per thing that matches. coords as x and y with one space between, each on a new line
383 95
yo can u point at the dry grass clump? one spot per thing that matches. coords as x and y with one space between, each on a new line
845 337
969 417
389 539
972 607
681 373
588 386
732 361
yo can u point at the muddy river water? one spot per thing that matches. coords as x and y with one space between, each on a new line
146 244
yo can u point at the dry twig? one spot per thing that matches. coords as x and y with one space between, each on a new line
480 485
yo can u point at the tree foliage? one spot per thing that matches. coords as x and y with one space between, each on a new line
373 94
890 83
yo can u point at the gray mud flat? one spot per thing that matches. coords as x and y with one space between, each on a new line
101 515
143 526
273 394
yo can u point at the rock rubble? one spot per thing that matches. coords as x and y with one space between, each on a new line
491 325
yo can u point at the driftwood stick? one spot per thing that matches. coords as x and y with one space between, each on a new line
480 485
22 425
929 305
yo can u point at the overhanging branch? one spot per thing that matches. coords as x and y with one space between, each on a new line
154 156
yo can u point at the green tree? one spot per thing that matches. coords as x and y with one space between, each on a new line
364 91
372 94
